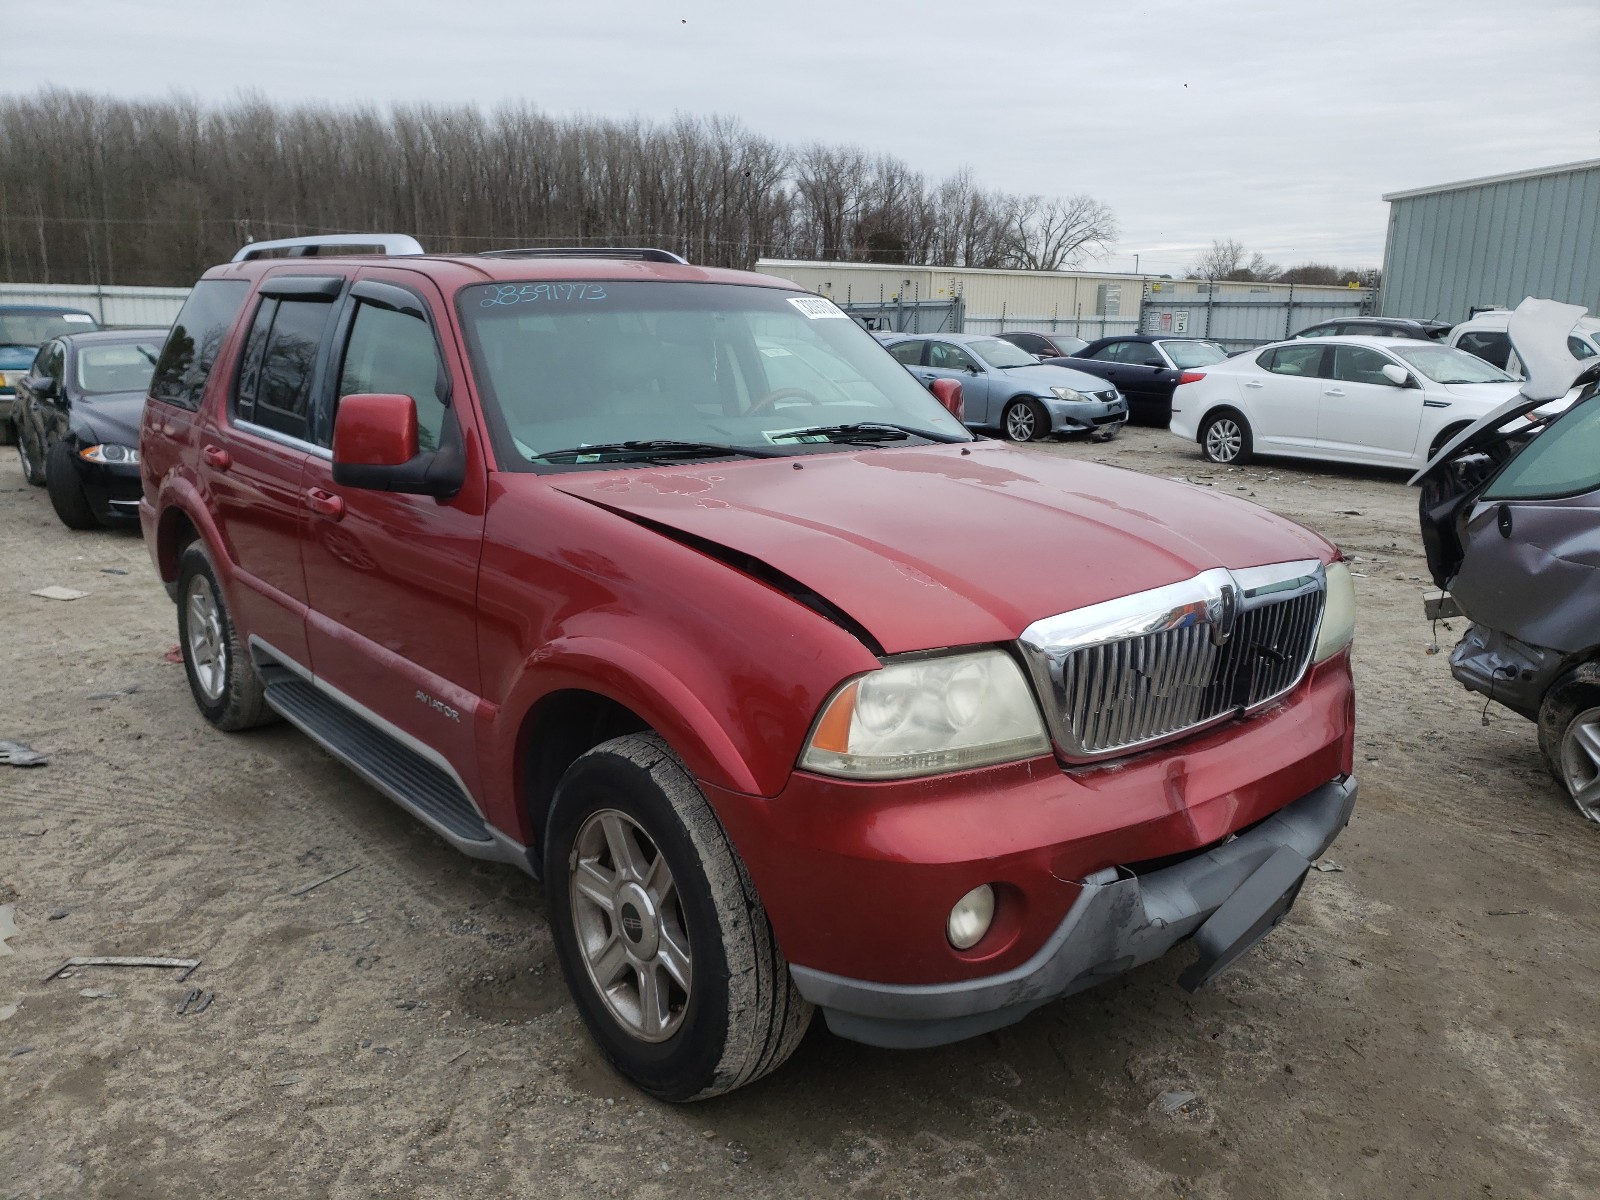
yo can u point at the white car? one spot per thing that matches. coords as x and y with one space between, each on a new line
1384 401
1486 336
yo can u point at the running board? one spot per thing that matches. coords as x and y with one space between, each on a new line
422 788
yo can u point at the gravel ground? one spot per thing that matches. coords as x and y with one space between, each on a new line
1423 1025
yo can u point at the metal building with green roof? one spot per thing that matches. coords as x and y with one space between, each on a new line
1493 241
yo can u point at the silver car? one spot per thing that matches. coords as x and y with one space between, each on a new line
1005 388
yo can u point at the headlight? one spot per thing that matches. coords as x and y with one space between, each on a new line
109 452
1068 394
1338 613
927 716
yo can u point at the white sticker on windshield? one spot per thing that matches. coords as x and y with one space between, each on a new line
83 318
775 352
816 307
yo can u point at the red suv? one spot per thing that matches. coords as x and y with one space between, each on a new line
671 587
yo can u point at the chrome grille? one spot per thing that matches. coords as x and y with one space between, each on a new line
1149 667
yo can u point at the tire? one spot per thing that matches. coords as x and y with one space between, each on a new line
67 496
1225 438
222 679
1569 736
740 1015
1025 420
32 466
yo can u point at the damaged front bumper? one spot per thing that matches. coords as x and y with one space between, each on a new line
1226 899
1505 670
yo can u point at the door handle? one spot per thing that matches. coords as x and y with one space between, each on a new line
217 457
1333 392
1255 383
324 503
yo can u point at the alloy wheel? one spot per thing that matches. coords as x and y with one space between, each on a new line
1019 423
208 653
1224 439
629 924
1580 762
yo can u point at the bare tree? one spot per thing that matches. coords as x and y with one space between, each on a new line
112 191
1059 233
1226 260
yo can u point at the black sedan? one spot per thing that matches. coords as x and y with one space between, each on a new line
1145 369
1044 345
77 416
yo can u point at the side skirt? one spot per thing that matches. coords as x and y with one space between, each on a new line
408 772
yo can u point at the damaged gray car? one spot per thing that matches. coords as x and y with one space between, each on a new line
1510 514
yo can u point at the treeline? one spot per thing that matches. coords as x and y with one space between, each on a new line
96 190
1228 261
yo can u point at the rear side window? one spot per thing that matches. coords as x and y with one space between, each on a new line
1292 360
394 352
1580 348
1562 461
909 353
1490 345
196 337
280 356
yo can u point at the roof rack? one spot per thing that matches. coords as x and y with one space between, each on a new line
323 243
647 253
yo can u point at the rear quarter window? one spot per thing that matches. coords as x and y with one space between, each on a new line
196 338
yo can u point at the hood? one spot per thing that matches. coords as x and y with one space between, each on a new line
932 547
1486 395
1045 376
113 417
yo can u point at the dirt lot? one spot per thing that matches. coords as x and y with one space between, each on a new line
1425 1024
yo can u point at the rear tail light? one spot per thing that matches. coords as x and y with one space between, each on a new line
1191 377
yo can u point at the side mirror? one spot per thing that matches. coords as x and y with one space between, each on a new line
42 386
948 393
375 447
1397 375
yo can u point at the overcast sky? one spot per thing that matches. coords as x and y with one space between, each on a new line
1259 120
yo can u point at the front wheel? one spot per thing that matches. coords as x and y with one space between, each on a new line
662 938
1225 439
67 496
1569 736
1025 420
223 680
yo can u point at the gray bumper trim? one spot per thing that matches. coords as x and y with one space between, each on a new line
1116 924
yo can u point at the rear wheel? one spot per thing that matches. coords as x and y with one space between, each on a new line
1569 736
222 679
662 938
32 460
1225 438
1025 420
67 496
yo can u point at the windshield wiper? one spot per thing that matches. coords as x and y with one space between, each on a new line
650 450
864 431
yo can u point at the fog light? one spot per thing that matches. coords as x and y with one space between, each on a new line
970 918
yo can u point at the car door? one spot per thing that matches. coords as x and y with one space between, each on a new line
1362 414
391 579
1530 566
946 360
253 452
1282 399
43 398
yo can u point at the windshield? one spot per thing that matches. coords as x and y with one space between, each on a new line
1001 354
575 364
124 367
1193 354
1444 364
35 329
